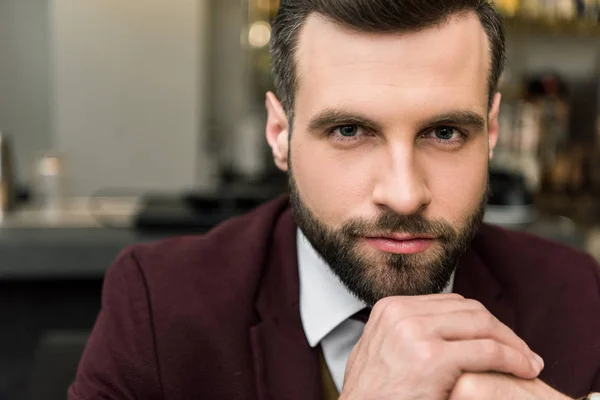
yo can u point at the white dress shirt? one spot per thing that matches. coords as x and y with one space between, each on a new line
326 306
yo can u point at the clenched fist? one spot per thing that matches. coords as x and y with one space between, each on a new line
418 348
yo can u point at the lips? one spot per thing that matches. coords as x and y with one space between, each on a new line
402 236
401 243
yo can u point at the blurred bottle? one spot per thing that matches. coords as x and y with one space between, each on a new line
566 9
7 178
588 10
526 142
595 10
553 10
507 7
249 150
530 8
544 130
519 120
49 183
548 9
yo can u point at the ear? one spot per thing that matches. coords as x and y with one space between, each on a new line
277 131
493 126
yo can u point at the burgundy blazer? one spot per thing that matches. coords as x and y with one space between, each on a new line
217 317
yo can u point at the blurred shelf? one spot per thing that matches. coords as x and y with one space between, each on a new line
77 212
553 27
583 209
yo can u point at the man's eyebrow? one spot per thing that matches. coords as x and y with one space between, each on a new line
329 118
460 118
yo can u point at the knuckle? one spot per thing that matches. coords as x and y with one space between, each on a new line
380 306
487 320
428 352
467 387
391 309
476 305
524 361
491 349
455 296
412 328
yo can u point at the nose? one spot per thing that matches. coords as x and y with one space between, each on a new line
401 185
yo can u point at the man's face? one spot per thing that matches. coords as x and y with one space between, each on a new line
389 151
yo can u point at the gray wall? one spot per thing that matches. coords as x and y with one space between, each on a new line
230 75
119 88
25 111
128 92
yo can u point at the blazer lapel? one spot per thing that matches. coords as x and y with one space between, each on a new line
286 367
474 280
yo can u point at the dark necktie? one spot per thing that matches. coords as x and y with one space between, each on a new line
362 315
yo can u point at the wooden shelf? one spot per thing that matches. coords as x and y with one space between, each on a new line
556 27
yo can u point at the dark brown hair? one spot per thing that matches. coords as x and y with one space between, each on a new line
374 16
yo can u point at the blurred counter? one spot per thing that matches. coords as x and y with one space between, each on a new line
78 241
61 253
82 239
78 212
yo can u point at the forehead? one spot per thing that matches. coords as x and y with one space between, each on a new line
430 70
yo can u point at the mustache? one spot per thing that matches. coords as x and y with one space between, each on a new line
389 222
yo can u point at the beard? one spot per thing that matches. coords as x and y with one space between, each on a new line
372 277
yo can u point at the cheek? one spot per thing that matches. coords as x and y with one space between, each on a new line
334 185
457 184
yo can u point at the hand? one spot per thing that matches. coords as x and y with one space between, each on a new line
418 348
491 386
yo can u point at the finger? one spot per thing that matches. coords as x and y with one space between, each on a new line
396 309
440 296
464 325
489 385
487 355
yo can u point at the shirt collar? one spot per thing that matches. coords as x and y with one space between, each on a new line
324 301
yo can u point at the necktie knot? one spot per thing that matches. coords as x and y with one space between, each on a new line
362 315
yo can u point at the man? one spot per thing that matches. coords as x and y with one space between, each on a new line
388 118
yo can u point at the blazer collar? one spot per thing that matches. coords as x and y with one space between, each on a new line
473 280
286 367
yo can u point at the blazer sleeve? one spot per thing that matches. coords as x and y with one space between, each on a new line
596 267
120 359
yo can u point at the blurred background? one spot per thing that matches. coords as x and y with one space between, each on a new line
128 121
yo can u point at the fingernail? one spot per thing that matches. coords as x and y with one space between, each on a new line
538 362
